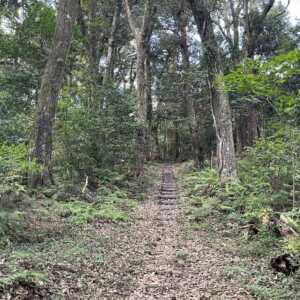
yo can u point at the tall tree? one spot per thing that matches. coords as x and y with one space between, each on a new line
221 109
243 24
254 27
142 33
183 20
52 81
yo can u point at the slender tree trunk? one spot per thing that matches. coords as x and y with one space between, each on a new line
189 101
177 142
108 74
132 75
221 109
93 54
52 81
141 111
157 150
148 79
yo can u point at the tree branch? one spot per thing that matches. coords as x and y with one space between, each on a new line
131 21
267 9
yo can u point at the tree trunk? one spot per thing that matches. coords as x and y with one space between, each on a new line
157 151
93 54
141 110
52 81
142 34
148 79
108 74
223 124
188 100
221 109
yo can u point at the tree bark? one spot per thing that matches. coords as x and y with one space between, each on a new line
221 109
108 74
52 81
141 110
93 54
142 36
148 78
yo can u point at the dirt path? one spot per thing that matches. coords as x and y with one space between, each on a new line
160 258
162 218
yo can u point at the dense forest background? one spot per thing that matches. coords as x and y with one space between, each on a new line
94 93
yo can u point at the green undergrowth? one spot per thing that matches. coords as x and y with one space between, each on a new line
227 212
38 267
51 235
245 205
109 206
262 284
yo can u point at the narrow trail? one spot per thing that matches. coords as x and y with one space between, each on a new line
159 269
161 258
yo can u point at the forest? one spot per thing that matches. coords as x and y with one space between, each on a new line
149 149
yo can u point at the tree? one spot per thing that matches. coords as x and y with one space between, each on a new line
244 25
108 74
254 25
183 20
219 99
52 81
142 34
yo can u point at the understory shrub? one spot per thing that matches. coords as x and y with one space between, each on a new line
268 188
109 206
89 141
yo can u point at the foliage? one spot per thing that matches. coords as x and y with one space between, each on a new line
14 163
91 141
113 207
55 236
23 277
270 170
11 225
273 83
268 185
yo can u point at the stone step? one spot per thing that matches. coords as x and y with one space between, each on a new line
167 202
166 219
165 186
169 195
167 207
164 192
165 197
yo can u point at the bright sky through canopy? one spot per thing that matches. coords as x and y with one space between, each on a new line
294 10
